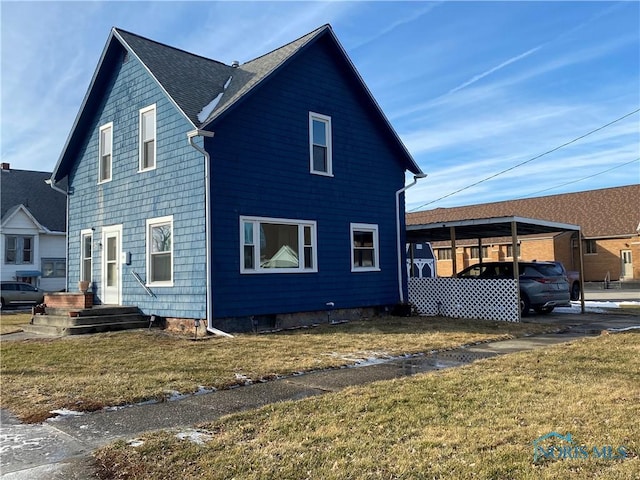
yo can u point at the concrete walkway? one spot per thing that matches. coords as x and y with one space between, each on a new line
60 448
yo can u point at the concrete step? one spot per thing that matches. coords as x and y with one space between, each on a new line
84 329
94 311
67 321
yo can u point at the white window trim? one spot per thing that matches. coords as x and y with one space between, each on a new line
102 128
150 223
256 242
365 227
84 233
326 119
155 138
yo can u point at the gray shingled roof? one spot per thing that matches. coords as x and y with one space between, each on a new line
193 81
24 187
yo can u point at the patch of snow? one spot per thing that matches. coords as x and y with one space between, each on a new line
204 390
211 106
243 379
135 442
592 306
64 412
172 395
196 436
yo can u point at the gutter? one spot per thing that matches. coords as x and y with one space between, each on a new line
51 182
207 231
400 264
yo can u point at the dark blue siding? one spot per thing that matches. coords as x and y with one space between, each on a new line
260 167
175 187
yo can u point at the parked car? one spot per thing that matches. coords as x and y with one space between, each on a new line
20 293
574 281
543 285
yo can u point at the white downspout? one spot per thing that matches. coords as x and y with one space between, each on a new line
400 265
51 183
191 135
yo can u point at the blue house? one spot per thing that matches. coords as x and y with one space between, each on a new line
260 193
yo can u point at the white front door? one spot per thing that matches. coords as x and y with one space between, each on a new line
111 247
627 264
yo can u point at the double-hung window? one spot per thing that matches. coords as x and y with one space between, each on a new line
275 245
106 148
320 144
364 247
18 249
86 255
160 251
54 267
148 138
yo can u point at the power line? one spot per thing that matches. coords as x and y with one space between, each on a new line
528 161
584 178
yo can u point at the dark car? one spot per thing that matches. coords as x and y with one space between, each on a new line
20 293
543 285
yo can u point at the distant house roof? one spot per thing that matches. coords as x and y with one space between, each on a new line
600 213
204 90
27 188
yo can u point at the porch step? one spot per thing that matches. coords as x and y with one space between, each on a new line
84 329
67 321
73 321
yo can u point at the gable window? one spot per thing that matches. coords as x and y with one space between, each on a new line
106 147
86 255
160 251
274 245
18 249
320 143
54 267
590 247
148 138
364 247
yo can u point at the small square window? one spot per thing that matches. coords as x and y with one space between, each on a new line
364 247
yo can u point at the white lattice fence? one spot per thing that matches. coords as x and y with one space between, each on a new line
465 298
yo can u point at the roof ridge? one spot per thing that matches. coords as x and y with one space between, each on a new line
311 34
150 40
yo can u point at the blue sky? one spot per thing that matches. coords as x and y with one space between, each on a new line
472 88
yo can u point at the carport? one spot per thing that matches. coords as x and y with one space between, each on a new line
481 228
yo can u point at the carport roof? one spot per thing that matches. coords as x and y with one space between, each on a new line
484 228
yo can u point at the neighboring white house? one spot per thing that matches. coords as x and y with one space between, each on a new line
32 229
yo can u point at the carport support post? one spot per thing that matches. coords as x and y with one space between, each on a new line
580 253
454 263
516 272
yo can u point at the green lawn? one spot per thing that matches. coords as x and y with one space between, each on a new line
474 422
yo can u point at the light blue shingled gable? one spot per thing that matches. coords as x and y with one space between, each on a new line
175 187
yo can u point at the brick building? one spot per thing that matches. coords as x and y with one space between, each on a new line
609 219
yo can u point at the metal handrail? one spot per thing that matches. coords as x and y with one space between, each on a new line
141 282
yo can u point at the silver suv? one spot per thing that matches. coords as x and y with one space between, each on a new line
543 285
20 293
